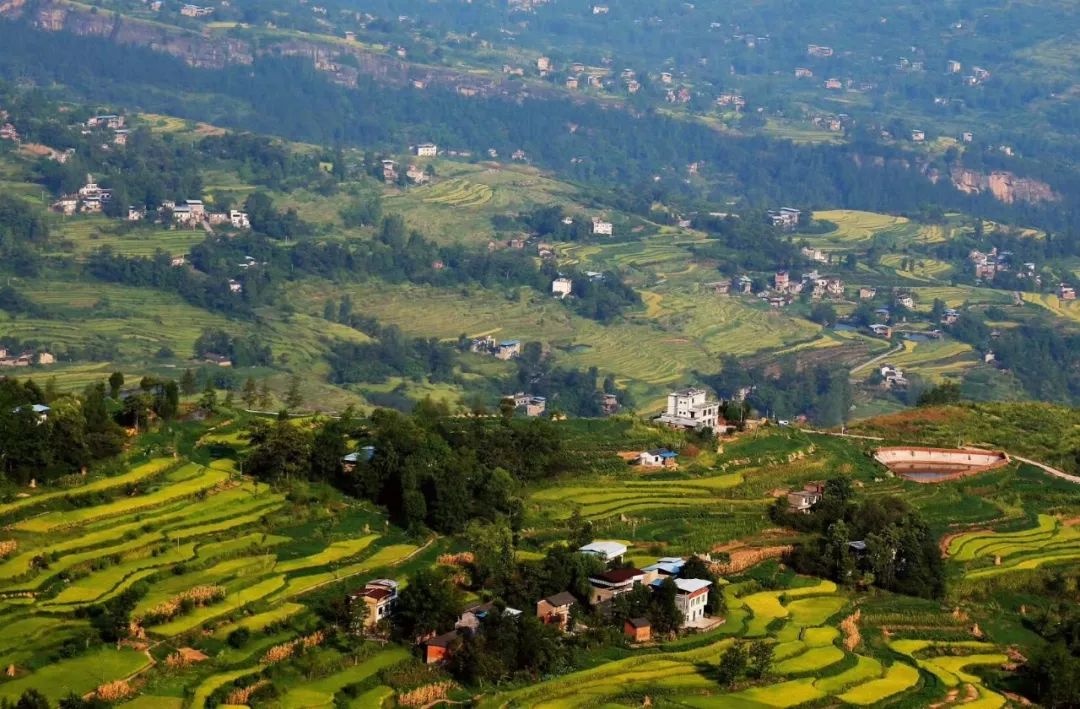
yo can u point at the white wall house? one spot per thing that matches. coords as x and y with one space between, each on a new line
691 408
691 599
561 287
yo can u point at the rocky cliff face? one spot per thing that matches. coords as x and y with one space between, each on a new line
207 51
1005 186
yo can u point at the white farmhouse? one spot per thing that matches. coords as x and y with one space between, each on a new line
561 287
691 408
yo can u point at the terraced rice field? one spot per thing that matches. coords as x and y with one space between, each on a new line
809 663
162 545
857 229
458 192
1068 309
924 268
90 233
611 497
1049 542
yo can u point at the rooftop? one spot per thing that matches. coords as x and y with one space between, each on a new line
691 585
563 598
608 550
618 576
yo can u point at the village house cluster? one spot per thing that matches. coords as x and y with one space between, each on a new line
26 358
501 349
557 610
91 198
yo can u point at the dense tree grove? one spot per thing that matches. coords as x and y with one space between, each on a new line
74 431
878 540
821 393
429 470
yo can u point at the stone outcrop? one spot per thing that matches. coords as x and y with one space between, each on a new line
1003 185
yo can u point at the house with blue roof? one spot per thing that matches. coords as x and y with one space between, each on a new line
665 567
658 458
364 455
508 349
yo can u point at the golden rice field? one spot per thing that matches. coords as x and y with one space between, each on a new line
459 192
1068 309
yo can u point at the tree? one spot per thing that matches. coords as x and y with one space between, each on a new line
493 551
760 659
250 393
664 613
732 664
837 556
208 400
31 699
1054 676
428 604
116 381
265 398
170 401
293 398
280 451
188 385
328 448
823 313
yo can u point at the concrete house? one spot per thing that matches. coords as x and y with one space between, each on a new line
562 287
691 598
507 349
691 408
602 228
608 585
802 500
555 610
658 458
379 596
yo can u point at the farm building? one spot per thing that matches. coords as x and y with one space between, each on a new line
427 150
638 630
602 228
438 648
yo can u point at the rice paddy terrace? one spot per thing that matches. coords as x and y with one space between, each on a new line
203 552
222 573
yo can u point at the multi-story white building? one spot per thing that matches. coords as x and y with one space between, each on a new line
602 228
691 599
427 150
561 287
691 408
